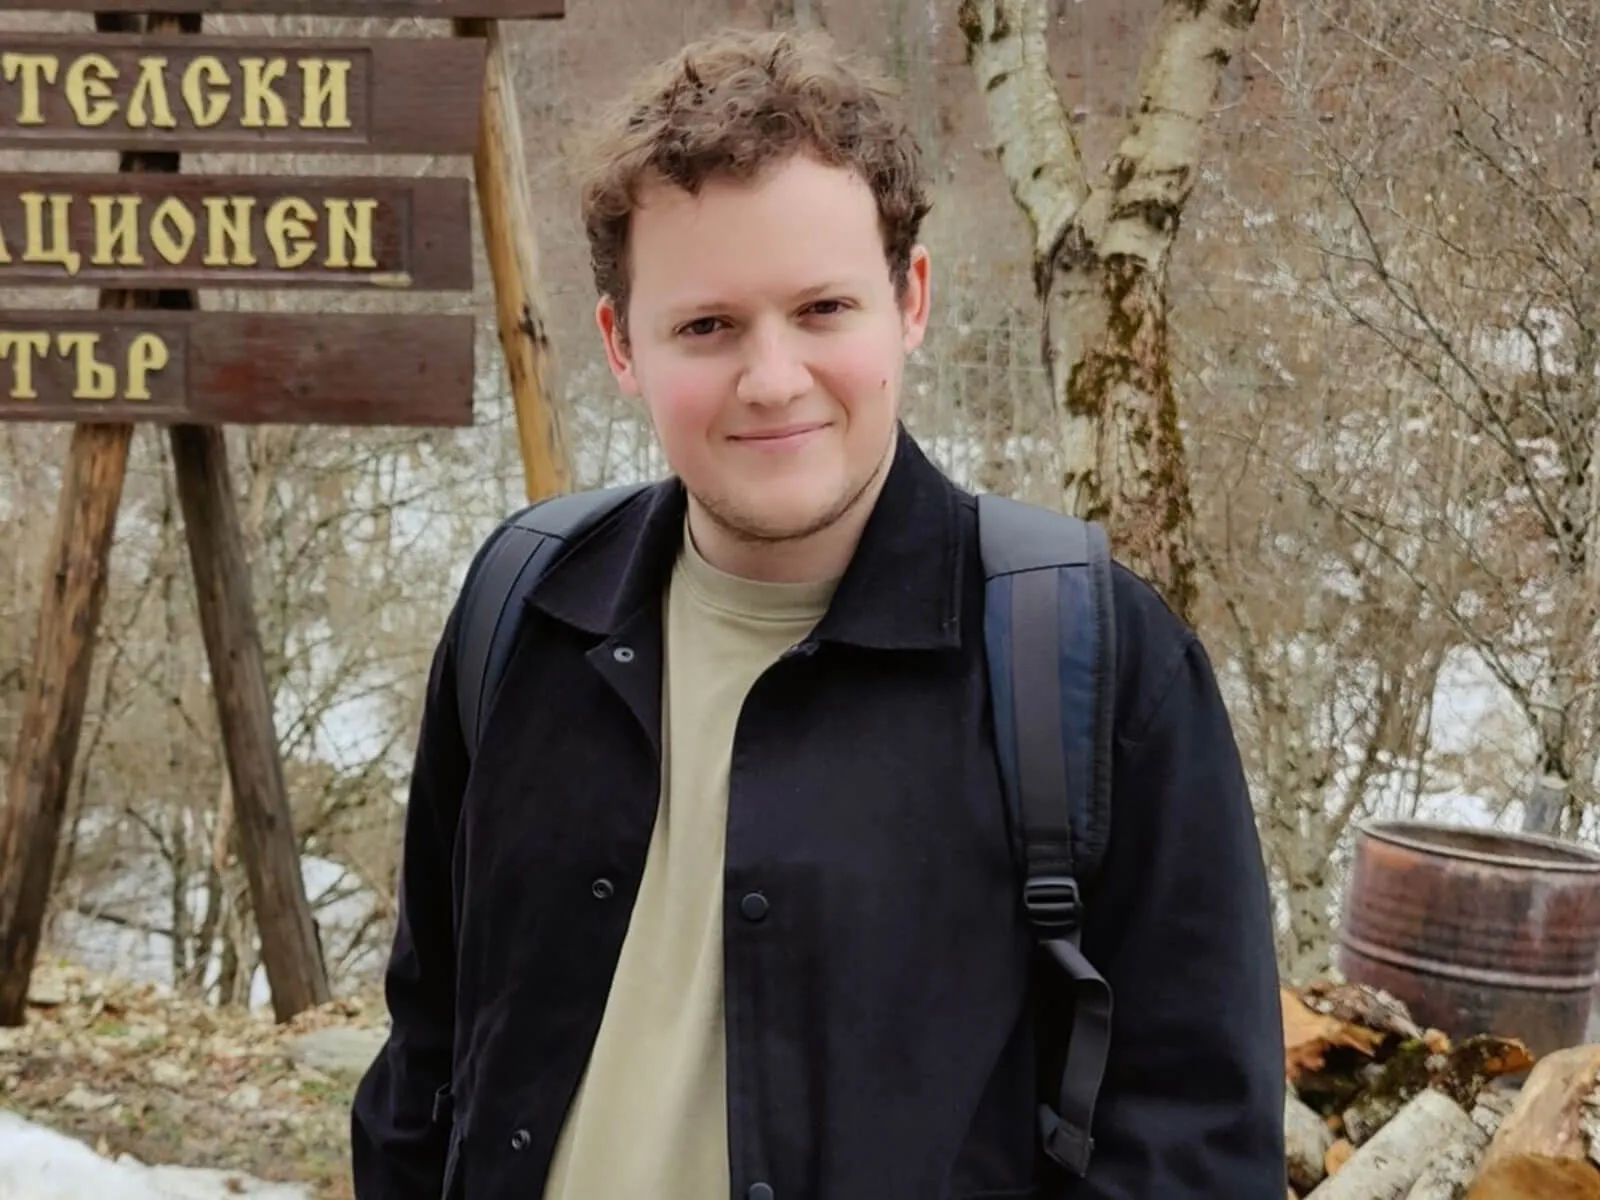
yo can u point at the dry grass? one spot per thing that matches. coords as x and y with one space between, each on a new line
127 1070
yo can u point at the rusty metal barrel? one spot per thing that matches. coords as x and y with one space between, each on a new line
1476 930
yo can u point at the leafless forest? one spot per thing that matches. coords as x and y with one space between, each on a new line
1359 447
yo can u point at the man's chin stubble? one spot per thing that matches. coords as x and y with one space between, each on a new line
751 533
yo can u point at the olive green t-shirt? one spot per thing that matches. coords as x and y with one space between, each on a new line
650 1115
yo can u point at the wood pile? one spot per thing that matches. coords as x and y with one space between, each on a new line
1379 1108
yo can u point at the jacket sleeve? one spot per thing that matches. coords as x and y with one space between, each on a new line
1180 925
398 1149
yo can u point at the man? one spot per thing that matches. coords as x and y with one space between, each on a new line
726 903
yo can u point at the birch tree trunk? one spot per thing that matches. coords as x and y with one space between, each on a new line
1100 254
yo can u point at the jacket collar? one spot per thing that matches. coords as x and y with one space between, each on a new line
901 591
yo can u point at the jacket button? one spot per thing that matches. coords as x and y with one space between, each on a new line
602 889
754 907
760 1191
520 1140
623 654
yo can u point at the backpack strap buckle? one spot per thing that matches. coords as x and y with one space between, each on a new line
1053 903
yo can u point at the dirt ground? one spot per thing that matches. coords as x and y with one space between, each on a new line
128 1071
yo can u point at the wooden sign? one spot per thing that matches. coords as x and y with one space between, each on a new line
235 231
211 368
500 10
147 353
130 91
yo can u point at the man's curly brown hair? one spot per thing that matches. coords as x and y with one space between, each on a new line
734 105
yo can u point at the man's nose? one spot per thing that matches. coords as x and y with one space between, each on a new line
774 371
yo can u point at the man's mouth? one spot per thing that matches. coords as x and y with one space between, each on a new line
781 438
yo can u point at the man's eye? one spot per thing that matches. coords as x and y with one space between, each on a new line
829 308
702 327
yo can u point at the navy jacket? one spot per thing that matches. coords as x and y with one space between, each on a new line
881 1025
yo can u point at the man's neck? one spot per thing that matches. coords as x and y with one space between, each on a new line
818 557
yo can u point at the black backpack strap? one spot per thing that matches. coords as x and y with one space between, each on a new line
1051 648
512 562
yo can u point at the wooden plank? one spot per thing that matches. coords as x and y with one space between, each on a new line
402 95
513 251
209 368
77 570
495 9
235 231
290 951
58 691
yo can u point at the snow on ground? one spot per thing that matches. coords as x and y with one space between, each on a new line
39 1164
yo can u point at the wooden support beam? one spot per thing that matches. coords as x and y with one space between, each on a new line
52 715
502 184
290 951
63 655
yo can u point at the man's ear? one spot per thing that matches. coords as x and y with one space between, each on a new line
915 304
618 354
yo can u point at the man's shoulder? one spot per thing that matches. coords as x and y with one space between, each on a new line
1152 642
1151 639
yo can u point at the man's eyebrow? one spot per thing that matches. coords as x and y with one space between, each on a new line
710 305
696 308
823 289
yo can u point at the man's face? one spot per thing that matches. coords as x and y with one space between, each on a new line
765 336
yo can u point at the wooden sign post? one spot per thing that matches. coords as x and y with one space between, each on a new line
152 87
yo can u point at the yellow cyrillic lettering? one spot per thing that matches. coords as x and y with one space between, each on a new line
206 108
331 90
259 75
34 249
228 220
152 87
112 227
88 81
96 380
148 352
342 229
286 219
33 68
5 255
26 345
172 230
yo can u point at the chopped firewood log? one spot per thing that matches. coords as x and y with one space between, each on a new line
1536 1177
1338 1154
1470 1067
1450 1174
1309 1036
1589 1123
1307 1139
1461 1074
1358 1004
1550 1114
1492 1108
1392 1162
1402 1076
